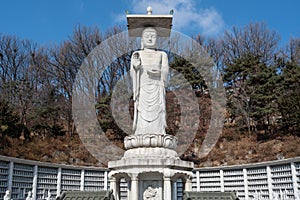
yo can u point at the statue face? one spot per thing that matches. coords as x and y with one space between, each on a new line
149 38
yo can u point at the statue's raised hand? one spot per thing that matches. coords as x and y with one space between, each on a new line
136 60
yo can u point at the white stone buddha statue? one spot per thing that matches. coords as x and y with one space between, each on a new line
149 70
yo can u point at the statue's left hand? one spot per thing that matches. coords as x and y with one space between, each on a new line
154 72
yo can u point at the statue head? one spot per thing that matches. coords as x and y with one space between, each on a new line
149 36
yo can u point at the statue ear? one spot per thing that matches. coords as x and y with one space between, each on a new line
142 43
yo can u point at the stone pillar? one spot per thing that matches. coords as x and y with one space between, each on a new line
34 183
167 188
58 188
246 183
105 180
294 179
222 180
128 188
82 180
134 193
117 194
198 180
269 178
188 184
113 186
174 183
10 176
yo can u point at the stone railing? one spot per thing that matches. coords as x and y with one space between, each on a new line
267 180
85 195
192 195
21 176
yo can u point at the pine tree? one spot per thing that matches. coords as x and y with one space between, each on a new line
289 98
251 86
189 72
9 122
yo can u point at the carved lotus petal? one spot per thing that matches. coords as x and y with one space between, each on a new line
154 140
135 142
150 140
146 140
169 142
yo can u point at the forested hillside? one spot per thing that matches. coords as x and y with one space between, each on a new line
261 79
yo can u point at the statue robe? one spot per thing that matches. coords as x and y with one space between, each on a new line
149 93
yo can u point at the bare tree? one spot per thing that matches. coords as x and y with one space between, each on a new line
22 78
66 60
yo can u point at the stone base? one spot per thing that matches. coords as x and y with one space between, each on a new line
152 153
149 164
149 170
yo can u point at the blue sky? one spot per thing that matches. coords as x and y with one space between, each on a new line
52 21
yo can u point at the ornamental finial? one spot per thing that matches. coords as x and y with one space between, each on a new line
149 10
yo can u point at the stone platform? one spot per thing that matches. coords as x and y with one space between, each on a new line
151 167
150 171
151 162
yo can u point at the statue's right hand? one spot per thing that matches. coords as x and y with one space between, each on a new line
136 60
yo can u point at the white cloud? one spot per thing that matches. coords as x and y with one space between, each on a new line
207 21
